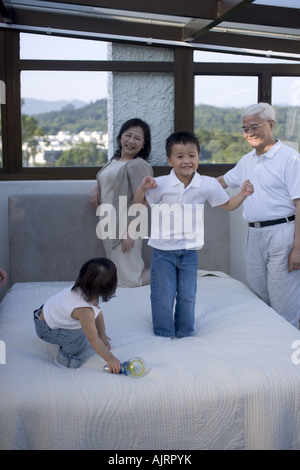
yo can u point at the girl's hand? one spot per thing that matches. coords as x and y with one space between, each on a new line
247 188
114 364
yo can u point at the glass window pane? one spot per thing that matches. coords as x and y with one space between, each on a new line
1 158
64 118
219 101
47 47
286 101
2 102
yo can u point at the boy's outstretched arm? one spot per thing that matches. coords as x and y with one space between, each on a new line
235 201
147 183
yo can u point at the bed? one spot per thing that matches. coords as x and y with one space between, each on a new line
234 385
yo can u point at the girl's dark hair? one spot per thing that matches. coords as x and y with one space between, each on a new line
146 150
181 137
97 278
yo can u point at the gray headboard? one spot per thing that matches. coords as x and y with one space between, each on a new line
52 235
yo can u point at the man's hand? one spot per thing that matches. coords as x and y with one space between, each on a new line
294 261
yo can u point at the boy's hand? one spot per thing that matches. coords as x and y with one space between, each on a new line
247 188
148 183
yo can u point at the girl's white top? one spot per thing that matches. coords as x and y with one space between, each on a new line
58 309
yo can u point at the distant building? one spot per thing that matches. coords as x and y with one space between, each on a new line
49 148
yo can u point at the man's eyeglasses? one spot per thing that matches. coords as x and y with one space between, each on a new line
253 128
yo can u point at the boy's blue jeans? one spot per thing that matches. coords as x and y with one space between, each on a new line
72 343
173 278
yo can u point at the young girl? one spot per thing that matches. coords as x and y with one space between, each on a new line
72 318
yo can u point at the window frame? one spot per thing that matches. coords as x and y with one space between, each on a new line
183 68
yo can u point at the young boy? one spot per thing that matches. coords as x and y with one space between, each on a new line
174 260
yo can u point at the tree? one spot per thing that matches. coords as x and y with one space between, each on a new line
83 154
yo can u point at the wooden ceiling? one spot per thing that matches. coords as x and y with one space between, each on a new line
235 26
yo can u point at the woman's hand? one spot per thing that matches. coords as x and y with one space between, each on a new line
94 197
127 244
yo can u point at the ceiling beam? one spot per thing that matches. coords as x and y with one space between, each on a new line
238 10
225 8
207 9
101 26
268 16
5 14
205 14
239 41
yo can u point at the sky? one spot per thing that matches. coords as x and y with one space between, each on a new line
91 86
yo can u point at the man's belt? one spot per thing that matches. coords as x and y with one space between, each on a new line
266 223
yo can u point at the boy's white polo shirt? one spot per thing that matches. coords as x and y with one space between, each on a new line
177 213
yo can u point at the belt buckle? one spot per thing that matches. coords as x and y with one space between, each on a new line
257 225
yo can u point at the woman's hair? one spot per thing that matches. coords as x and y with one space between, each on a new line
264 110
181 137
135 122
97 278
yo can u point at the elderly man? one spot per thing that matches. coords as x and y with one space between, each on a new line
272 212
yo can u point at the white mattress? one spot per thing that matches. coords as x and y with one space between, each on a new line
231 386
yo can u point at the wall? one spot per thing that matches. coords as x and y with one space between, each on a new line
148 96
237 225
238 232
33 187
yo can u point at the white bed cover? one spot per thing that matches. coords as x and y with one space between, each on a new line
234 385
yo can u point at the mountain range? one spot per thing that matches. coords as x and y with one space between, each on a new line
75 116
31 106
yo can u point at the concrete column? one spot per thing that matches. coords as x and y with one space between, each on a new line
148 96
